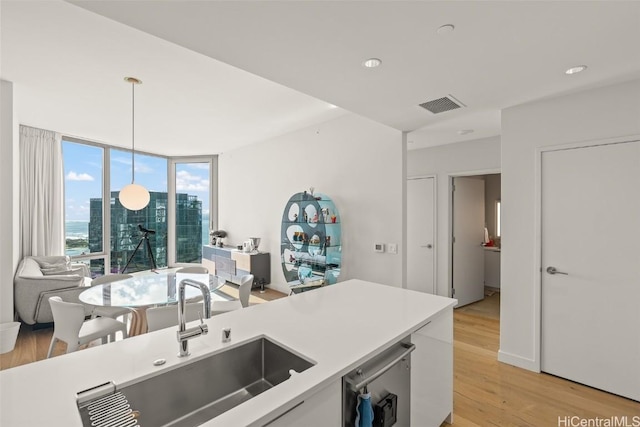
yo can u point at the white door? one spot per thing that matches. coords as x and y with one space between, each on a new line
591 236
420 230
468 235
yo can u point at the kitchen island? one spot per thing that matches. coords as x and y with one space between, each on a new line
338 327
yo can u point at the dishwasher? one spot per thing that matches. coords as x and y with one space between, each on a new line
387 377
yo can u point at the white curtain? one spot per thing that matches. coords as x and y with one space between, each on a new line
41 193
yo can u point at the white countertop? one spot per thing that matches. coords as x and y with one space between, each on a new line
338 327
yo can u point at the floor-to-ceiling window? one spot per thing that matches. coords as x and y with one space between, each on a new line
192 181
83 180
107 236
128 235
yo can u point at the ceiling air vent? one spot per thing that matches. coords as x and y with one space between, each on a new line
441 105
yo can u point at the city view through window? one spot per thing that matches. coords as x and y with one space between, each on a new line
83 171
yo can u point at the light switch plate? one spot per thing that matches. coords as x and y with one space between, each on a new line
393 248
378 247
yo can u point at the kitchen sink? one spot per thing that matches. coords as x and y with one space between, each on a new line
197 392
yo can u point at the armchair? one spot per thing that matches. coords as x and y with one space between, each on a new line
38 278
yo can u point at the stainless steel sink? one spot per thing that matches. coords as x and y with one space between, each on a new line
192 394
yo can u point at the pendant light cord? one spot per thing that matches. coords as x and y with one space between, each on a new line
133 130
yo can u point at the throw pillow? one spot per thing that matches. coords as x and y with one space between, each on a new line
64 271
61 261
61 266
60 269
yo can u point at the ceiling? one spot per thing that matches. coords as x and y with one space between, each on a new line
68 67
255 69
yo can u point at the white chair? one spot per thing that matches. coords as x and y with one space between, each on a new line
107 311
167 316
244 291
246 282
196 269
69 326
35 282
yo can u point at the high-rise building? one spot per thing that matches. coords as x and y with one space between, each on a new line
126 234
188 228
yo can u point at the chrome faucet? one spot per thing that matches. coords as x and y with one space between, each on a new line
184 334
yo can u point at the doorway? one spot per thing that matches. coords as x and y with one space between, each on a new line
476 238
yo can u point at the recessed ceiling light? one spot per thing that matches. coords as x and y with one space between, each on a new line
445 29
575 70
465 131
372 63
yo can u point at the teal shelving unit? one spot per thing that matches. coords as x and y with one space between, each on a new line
310 241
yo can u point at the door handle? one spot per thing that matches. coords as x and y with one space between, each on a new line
429 246
553 270
399 354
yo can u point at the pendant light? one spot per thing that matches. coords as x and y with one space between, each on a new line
133 196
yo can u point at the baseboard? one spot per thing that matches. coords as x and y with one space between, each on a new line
38 326
518 361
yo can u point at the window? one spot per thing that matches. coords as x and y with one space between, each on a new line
192 208
83 180
126 225
105 235
498 218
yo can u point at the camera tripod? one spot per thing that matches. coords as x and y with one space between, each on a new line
144 238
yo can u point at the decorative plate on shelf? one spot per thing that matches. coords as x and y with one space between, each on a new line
310 240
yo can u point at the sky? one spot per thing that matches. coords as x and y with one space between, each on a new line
83 176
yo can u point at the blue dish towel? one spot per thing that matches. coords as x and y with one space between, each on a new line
364 411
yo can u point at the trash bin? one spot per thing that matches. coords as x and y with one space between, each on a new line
8 335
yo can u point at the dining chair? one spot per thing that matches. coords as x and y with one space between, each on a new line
195 269
69 326
108 311
246 282
167 316
244 291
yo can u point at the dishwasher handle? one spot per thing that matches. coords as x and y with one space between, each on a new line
407 349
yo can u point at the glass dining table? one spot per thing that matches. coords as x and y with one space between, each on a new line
144 290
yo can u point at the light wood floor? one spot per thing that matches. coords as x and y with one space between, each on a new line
488 307
486 392
490 393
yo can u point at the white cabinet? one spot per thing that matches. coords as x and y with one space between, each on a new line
492 267
323 409
231 264
432 372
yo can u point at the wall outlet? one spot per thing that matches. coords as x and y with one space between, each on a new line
393 248
378 247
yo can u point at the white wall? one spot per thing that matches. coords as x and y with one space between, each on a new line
353 160
596 114
491 194
470 156
9 195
